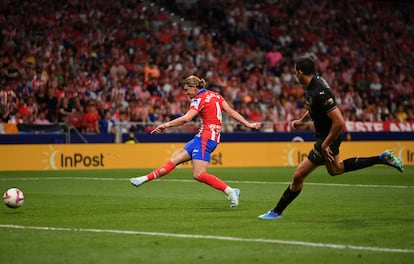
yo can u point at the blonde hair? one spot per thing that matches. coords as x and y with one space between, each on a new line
194 81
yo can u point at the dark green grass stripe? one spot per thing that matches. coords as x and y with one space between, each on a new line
226 238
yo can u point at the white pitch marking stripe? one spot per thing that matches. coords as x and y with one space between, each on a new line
226 238
230 181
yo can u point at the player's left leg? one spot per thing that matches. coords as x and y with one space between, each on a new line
358 163
201 155
388 158
201 175
339 166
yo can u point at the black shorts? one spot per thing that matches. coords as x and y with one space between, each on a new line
316 156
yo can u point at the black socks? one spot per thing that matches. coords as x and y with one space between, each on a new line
287 197
349 165
360 163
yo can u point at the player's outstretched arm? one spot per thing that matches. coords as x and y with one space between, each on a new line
176 122
238 117
299 122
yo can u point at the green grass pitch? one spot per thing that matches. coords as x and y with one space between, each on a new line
365 216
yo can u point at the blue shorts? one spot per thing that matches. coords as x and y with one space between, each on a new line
200 149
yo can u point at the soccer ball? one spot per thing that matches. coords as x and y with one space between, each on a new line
13 198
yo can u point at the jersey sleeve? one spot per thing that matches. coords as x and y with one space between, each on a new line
196 104
328 100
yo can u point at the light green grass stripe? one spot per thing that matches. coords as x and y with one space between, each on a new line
225 238
229 181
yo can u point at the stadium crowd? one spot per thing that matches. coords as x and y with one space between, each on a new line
95 64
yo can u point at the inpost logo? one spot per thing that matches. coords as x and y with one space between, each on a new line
292 156
404 154
56 160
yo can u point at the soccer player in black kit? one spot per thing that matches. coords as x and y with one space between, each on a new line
329 123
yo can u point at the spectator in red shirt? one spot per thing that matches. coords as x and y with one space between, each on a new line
255 114
39 80
91 119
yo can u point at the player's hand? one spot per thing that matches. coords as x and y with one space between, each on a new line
159 128
294 124
255 125
328 154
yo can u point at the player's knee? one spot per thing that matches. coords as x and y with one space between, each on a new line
198 176
298 180
335 172
335 169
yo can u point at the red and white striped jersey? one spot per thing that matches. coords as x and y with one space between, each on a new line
209 105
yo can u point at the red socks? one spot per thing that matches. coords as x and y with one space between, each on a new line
212 180
209 179
161 171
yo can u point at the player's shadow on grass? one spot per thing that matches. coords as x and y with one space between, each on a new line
204 208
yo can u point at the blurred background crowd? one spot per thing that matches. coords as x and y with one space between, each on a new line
97 64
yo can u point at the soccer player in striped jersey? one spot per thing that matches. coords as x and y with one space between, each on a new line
209 105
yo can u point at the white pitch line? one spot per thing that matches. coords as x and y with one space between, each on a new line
222 238
230 181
